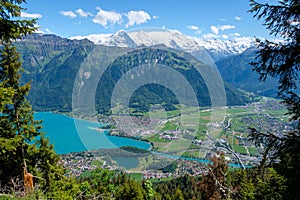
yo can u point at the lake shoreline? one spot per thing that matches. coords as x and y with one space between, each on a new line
151 147
100 129
70 134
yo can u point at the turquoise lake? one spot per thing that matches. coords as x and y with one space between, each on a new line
73 135
69 134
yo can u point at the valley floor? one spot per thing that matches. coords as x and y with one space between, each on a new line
186 137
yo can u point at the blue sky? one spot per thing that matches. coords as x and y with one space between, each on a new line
201 18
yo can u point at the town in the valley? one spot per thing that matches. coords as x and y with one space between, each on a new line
184 143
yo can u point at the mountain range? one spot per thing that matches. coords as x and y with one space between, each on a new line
53 64
171 38
237 71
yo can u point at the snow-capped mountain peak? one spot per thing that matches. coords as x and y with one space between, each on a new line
174 39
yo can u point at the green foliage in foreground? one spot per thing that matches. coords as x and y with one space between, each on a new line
21 142
281 60
217 183
5 96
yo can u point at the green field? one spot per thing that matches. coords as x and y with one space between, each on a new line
169 126
136 176
196 120
239 149
154 138
194 154
253 151
176 146
164 179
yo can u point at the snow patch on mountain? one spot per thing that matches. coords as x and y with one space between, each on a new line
172 38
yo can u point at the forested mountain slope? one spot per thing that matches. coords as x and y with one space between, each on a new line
51 63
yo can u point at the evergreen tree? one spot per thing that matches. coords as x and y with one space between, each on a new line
5 96
130 191
178 194
243 184
21 141
270 185
281 60
147 186
17 127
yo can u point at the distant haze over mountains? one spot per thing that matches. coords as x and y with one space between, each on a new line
217 48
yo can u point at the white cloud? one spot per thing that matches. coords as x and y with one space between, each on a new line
43 30
48 31
223 19
226 27
69 14
225 36
82 13
235 34
137 17
237 18
215 30
193 27
104 17
31 15
96 38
